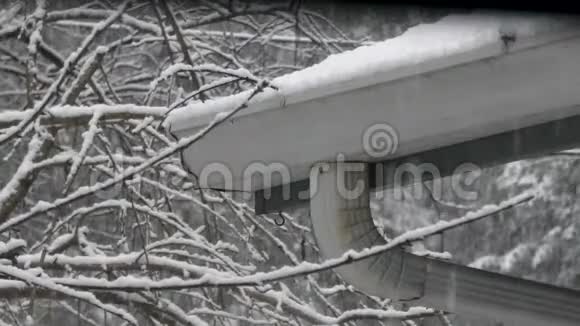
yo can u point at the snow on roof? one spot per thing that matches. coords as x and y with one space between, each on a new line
453 40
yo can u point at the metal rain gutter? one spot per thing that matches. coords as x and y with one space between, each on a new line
341 223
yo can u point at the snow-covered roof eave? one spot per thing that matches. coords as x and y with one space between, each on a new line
452 41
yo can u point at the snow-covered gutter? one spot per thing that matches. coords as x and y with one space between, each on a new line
460 79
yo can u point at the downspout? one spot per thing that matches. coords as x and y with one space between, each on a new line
341 219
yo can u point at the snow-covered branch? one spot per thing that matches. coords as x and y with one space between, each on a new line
96 209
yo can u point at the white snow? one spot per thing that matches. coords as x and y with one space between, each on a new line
453 40
542 253
170 71
119 261
11 245
29 321
569 232
512 257
23 170
48 283
60 242
214 277
179 67
9 14
88 137
71 111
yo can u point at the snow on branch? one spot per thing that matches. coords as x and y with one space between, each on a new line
45 207
94 181
70 115
88 136
69 64
132 283
81 295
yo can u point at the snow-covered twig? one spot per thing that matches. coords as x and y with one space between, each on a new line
84 76
88 138
302 269
70 115
182 43
16 188
68 65
81 295
43 207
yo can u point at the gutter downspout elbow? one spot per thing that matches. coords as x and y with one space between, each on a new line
341 220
